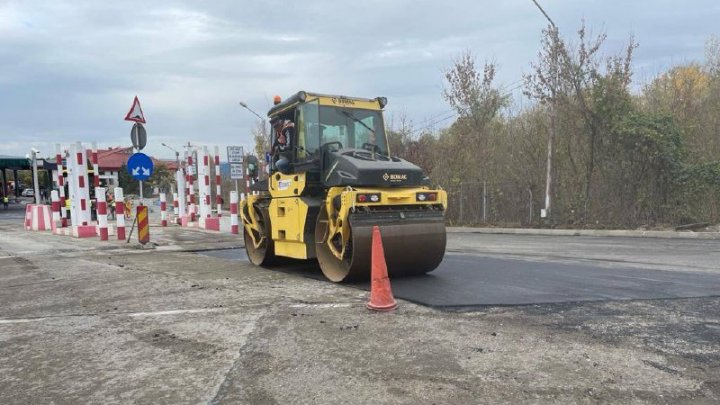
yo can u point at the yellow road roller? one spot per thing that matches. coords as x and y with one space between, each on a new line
339 179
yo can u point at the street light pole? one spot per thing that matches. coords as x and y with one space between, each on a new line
36 186
547 211
177 161
177 153
264 131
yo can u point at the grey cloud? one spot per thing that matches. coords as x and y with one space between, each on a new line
69 69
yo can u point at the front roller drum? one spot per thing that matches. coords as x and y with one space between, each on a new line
412 247
264 253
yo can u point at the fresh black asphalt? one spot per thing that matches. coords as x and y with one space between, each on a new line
467 281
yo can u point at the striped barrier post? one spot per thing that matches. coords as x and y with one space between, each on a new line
96 167
143 226
102 212
234 212
83 190
218 182
204 186
206 163
176 205
120 212
61 185
56 220
181 197
191 189
163 209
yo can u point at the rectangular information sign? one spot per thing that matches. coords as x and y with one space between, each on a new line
236 171
235 154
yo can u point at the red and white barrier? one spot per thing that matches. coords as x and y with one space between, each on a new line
120 212
55 205
163 209
79 187
96 167
176 205
37 217
204 186
102 212
218 182
234 212
181 197
191 188
61 185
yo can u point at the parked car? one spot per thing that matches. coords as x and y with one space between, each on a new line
28 192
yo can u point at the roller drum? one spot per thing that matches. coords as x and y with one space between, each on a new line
414 244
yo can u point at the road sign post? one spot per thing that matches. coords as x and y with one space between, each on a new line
235 159
140 167
138 136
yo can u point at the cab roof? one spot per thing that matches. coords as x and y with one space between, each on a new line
377 103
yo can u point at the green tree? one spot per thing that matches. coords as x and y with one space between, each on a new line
162 178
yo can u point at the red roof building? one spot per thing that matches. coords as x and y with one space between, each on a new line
112 159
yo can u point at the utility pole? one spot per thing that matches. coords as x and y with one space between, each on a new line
546 212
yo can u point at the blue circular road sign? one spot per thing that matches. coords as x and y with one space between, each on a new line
140 166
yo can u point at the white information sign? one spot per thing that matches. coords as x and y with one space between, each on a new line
235 154
236 171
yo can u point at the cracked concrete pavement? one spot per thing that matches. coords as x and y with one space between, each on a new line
88 322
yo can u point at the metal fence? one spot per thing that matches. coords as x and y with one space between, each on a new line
492 203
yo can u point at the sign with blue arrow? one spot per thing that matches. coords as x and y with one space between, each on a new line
140 166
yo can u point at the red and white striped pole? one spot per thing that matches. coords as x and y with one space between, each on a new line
191 189
176 205
234 212
102 212
247 181
163 209
218 182
55 198
96 167
120 212
206 183
61 185
83 186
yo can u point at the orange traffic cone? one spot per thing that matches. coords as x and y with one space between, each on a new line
381 296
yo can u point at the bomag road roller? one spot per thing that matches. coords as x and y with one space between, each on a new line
341 181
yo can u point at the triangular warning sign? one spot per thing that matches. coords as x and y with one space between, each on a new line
135 113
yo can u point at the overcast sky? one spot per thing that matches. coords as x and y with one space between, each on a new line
70 69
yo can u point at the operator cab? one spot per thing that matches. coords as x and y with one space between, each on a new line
332 123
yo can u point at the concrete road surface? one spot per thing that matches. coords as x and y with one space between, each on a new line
88 322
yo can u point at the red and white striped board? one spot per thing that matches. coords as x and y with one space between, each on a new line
143 224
